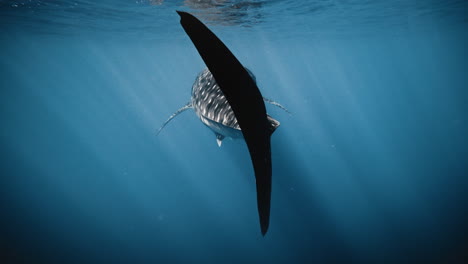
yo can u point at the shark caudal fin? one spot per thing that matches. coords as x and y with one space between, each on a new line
274 124
182 109
246 101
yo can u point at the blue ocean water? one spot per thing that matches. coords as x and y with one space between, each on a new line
371 165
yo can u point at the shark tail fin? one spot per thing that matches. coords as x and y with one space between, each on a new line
182 109
274 124
276 104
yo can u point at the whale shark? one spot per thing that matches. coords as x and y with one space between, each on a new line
226 98
213 110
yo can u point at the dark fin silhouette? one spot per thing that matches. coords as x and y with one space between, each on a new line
274 124
246 102
276 104
183 108
219 139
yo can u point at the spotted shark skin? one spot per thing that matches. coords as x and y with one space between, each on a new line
213 110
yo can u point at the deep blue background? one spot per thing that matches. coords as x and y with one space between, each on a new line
371 166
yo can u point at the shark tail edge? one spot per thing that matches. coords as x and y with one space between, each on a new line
239 90
263 186
274 124
180 110
264 224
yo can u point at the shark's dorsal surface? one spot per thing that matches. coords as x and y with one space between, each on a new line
213 110
246 102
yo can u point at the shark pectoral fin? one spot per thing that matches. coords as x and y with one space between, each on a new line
276 104
219 139
183 108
